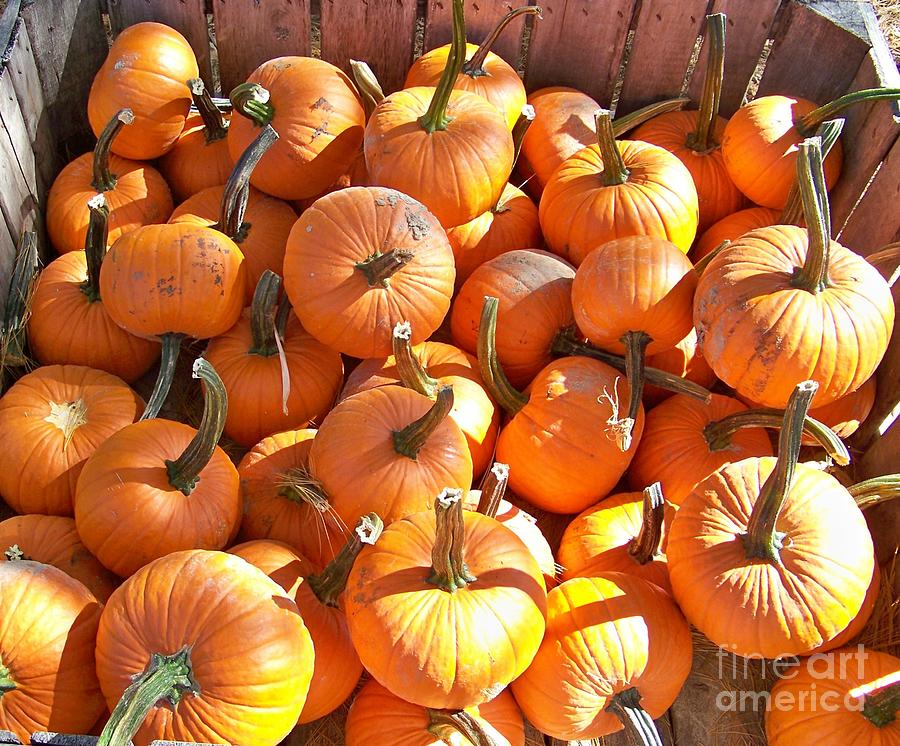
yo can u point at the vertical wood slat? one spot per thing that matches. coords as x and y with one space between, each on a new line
17 176
188 17
664 38
874 222
249 32
356 30
7 260
579 43
748 25
481 17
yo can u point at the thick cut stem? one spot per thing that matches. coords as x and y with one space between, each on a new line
614 170
95 246
368 86
14 324
409 370
168 677
237 188
448 567
474 68
171 346
493 489
809 123
762 541
252 101
103 180
262 315
215 125
701 140
635 347
301 487
330 583
813 275
703 263
792 213
436 117
412 438
184 472
881 708
645 546
495 380
627 122
875 491
442 721
6 682
526 117
379 268
14 553
638 724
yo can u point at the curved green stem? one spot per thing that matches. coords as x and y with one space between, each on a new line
95 246
237 188
215 125
168 677
262 315
18 304
442 721
645 546
448 567
379 268
635 348
700 140
367 84
495 380
526 117
813 275
638 724
762 541
252 101
614 171
809 123
629 121
6 682
171 346
412 438
792 213
329 584
881 707
493 489
409 370
874 491
436 117
103 180
474 68
184 472
703 263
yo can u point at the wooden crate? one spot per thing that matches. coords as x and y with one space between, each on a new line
624 53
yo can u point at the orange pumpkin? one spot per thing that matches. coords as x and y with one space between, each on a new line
732 227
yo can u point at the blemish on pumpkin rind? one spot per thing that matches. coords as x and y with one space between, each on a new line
417 224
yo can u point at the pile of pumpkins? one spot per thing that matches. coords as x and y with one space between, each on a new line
392 322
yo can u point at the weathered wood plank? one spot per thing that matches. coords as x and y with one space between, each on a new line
357 31
17 176
875 221
664 38
7 260
249 32
481 17
747 27
188 17
579 43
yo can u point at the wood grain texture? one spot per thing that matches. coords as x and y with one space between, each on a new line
875 222
17 176
7 260
748 25
579 43
249 32
481 17
188 17
664 38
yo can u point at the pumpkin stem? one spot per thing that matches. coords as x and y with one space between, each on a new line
410 371
330 583
762 541
442 721
95 245
171 346
567 343
474 68
792 214
167 677
718 433
367 84
184 472
813 275
252 101
629 121
809 123
638 724
379 268
495 381
646 545
701 139
215 125
103 180
262 315
412 438
6 682
703 263
526 117
448 568
14 553
635 347
876 490
881 708
299 486
18 304
436 117
237 188
493 489
614 171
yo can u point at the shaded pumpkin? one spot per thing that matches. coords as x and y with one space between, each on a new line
732 227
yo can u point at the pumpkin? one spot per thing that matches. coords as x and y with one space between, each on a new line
617 650
683 360
212 633
146 69
612 190
135 193
784 304
159 486
317 111
170 281
447 607
53 540
401 723
47 678
861 620
277 376
362 259
757 565
69 288
732 227
51 421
